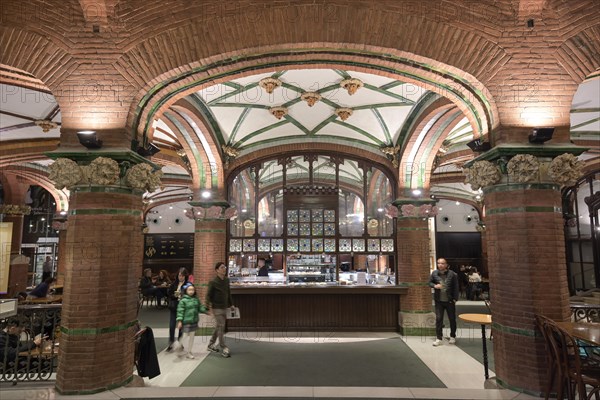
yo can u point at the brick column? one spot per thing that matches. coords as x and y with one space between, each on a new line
525 255
103 249
413 245
60 224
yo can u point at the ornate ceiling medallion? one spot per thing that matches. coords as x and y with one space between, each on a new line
310 98
351 85
344 113
278 112
269 84
46 125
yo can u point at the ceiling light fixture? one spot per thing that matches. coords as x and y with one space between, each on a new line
89 139
541 135
478 145
206 194
148 151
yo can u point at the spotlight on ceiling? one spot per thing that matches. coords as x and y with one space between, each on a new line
89 139
479 145
148 151
541 135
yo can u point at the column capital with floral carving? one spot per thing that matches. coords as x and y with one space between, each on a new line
415 207
210 210
15 209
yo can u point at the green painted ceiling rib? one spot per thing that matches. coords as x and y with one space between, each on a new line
321 125
278 75
458 129
318 138
585 133
391 85
390 94
236 128
421 104
588 122
297 124
584 110
383 125
234 93
342 73
240 105
292 87
358 130
234 85
381 105
190 142
260 131
199 104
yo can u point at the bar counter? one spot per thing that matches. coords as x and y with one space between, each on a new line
318 308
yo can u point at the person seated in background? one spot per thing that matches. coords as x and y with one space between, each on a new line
263 270
149 289
163 278
474 283
41 290
11 344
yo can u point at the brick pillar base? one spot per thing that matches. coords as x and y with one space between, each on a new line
526 261
103 254
209 248
416 317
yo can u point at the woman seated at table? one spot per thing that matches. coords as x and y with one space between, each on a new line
163 278
41 290
149 289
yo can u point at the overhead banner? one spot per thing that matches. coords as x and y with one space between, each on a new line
5 244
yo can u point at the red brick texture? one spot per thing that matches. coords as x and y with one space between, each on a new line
526 262
102 269
413 263
209 248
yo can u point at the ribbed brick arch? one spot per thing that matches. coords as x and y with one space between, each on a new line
39 177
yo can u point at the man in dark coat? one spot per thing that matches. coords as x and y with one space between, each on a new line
445 283
11 344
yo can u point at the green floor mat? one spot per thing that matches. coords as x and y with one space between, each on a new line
374 363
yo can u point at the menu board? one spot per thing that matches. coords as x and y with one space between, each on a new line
165 246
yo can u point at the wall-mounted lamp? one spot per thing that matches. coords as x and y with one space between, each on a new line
479 145
89 139
148 151
541 135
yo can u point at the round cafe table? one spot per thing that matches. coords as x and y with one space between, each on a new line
483 320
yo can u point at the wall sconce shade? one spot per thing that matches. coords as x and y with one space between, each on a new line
479 145
541 135
148 151
89 139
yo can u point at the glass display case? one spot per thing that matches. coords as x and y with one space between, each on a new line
311 269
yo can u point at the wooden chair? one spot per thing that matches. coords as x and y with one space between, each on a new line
554 369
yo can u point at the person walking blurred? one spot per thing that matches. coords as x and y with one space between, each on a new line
218 299
445 285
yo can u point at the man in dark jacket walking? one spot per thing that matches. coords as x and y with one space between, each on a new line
218 299
445 283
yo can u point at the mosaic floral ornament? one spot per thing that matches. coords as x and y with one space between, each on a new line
408 210
427 210
523 168
565 169
65 173
213 212
142 176
481 174
103 171
14 209
230 213
391 211
189 212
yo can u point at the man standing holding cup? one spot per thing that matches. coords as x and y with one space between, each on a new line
445 285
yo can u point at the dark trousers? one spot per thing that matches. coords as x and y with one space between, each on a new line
172 325
46 275
450 308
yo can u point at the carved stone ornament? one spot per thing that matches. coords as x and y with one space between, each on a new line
310 98
344 113
14 209
278 112
565 169
211 213
230 151
142 176
351 85
46 125
481 174
391 211
103 171
423 211
391 152
65 173
523 168
269 84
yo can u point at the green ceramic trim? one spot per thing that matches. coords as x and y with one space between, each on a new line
94 391
518 389
198 103
390 94
545 150
382 124
520 186
528 209
238 124
105 211
199 163
97 331
413 115
210 230
391 85
584 110
260 131
86 156
297 124
230 94
515 331
241 105
585 134
105 189
417 331
360 131
422 78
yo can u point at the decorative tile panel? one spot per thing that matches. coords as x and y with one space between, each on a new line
329 229
304 216
276 245
304 229
329 245
317 245
249 245
387 245
292 216
329 215
317 215
317 229
345 245
292 245
373 245
358 245
264 245
292 229
304 245
235 245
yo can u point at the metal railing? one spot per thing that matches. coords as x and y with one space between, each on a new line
21 359
581 312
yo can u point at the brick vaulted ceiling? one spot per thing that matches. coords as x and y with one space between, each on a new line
451 64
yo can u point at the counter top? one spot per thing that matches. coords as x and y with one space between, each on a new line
318 289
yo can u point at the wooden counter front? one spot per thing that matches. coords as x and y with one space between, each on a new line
341 308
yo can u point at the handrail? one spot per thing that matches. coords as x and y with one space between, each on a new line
585 312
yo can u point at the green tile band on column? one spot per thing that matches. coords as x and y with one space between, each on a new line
515 331
105 211
527 209
518 389
97 331
94 391
520 186
210 231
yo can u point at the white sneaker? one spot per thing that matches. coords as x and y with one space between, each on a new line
452 340
437 342
190 355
